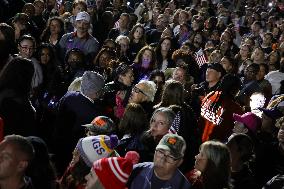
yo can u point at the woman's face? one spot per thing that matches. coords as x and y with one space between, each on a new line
138 33
44 56
127 78
54 27
226 64
166 45
146 58
261 72
258 55
124 45
104 59
200 161
159 125
26 48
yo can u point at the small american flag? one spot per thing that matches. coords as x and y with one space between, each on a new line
200 57
174 129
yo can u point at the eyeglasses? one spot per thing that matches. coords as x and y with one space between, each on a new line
25 48
137 90
168 158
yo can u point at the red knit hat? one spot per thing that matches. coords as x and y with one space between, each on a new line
113 172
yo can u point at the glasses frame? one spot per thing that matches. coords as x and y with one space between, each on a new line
168 158
137 90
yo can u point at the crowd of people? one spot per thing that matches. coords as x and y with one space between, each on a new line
106 94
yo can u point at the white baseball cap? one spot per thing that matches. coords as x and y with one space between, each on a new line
83 16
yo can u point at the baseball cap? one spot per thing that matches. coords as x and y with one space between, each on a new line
173 143
249 119
273 113
218 67
101 125
83 16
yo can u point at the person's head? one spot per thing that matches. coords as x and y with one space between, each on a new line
274 60
241 148
230 84
133 120
214 72
263 70
78 6
7 35
100 125
269 117
162 22
124 21
123 41
144 91
214 163
93 148
165 44
124 74
21 24
255 27
74 59
258 55
16 153
82 22
104 56
26 46
45 54
180 74
267 38
92 85
183 16
29 9
251 71
137 33
228 64
247 123
215 56
18 76
245 50
146 57
55 25
39 7
158 77
169 155
111 173
161 121
173 94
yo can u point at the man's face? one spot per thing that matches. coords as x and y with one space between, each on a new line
9 161
212 75
123 21
82 26
165 163
179 75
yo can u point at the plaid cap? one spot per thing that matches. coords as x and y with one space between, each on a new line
173 143
101 125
